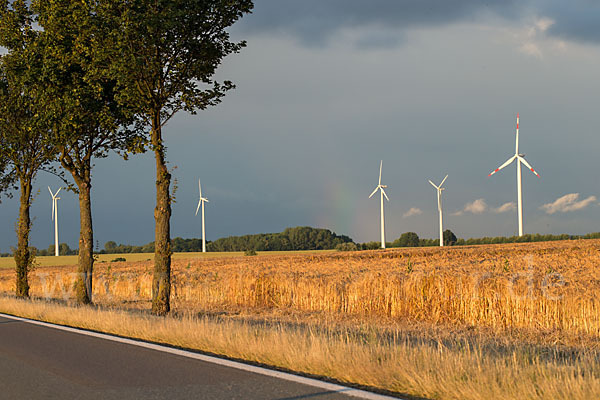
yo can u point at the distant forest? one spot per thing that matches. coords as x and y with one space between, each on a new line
306 238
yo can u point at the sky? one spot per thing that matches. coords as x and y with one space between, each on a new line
328 88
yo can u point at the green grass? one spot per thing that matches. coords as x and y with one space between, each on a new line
51 261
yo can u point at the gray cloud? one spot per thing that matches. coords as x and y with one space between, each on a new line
314 21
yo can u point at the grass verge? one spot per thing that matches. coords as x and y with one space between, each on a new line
389 360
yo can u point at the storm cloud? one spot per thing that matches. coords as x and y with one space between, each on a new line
314 22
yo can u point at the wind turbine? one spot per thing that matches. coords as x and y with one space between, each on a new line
439 197
380 187
55 218
520 159
201 202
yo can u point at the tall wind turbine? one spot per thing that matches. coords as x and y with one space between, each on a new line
439 197
55 218
380 187
520 159
201 203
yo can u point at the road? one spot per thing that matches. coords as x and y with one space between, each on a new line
41 362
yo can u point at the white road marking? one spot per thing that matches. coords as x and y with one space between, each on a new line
362 394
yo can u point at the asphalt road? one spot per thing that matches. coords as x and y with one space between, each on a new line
38 362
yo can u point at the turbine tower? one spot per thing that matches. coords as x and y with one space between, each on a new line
380 187
201 203
55 218
520 159
439 197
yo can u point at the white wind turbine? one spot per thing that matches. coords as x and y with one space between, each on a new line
201 203
380 187
520 159
439 197
55 218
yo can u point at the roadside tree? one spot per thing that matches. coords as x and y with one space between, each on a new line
164 56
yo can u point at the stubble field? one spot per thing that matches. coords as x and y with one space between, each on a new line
511 321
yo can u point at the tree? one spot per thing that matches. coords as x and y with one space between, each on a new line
87 121
449 238
110 246
408 239
165 55
24 148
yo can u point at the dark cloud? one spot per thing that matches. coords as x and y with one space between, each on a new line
313 21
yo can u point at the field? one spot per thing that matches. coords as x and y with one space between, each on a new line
498 321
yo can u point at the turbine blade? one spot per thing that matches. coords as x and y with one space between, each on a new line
197 208
529 166
199 188
380 168
517 138
503 165
433 184
53 208
383 191
55 194
50 192
374 191
441 184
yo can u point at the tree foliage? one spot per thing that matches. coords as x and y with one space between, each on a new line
298 238
449 238
408 239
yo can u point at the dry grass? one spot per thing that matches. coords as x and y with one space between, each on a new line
387 359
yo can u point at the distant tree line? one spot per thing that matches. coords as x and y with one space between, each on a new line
411 239
306 238
298 238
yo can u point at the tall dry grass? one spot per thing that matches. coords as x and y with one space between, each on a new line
449 369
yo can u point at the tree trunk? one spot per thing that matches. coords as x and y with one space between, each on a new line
86 245
161 280
23 258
